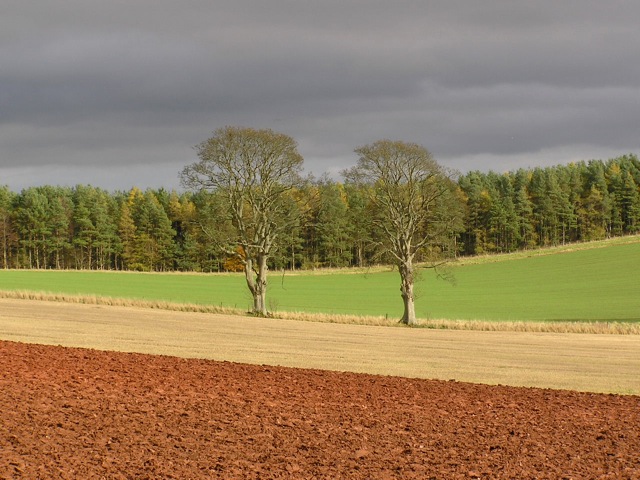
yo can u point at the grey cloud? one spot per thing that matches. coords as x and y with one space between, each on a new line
115 84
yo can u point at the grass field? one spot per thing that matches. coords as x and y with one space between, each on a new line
585 284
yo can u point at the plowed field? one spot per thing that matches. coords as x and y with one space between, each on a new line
77 413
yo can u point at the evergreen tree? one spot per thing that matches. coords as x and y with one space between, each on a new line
7 234
182 214
358 214
33 226
161 233
544 215
291 253
523 210
105 220
60 213
630 203
211 228
333 226
153 245
597 212
615 181
478 198
127 235
563 218
592 215
84 230
502 214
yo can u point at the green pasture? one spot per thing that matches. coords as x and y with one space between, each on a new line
600 284
597 284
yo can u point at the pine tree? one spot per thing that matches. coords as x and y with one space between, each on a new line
7 234
104 218
33 226
630 203
358 213
597 212
478 213
502 214
333 226
84 230
161 234
523 210
60 213
127 233
182 214
592 215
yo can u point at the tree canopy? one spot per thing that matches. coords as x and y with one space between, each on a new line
252 172
414 204
85 227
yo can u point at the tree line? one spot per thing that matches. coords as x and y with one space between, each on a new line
84 227
540 207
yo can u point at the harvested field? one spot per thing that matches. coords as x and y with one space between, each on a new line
80 413
605 363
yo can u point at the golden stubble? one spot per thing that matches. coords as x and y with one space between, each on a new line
602 363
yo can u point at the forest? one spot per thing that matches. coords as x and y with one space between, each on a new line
83 227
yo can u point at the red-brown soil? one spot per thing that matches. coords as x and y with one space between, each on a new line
87 414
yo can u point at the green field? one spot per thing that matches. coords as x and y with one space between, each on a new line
594 284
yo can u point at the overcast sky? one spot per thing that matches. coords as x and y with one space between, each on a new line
116 93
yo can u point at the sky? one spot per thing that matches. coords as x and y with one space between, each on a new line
117 93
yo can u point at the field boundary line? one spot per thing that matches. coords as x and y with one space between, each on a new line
583 327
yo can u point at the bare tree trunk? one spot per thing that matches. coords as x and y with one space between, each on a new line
261 284
293 258
406 289
257 283
4 245
259 304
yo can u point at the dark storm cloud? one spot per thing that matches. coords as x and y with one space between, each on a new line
121 86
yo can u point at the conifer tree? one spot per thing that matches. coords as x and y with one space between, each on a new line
333 226
7 235
127 233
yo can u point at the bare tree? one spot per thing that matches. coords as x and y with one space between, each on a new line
414 203
253 171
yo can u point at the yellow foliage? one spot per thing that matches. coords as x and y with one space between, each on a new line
235 263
